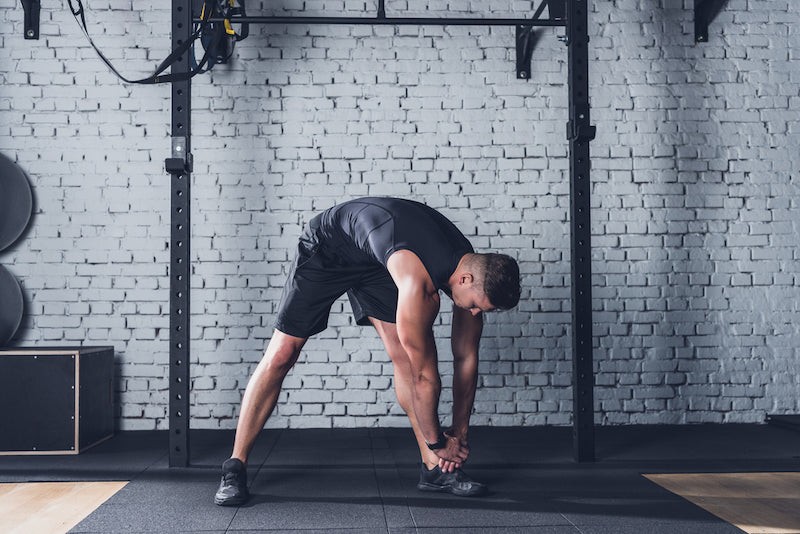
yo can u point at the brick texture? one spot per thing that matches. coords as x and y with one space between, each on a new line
696 258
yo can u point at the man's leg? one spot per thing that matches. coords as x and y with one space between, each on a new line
402 384
259 400
262 390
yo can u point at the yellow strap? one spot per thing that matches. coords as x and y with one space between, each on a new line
227 22
228 27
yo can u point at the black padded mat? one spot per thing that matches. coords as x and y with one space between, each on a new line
363 480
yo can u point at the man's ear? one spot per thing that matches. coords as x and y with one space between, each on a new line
466 278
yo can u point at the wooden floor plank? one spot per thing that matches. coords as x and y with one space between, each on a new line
758 503
53 507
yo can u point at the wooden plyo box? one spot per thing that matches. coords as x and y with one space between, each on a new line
55 400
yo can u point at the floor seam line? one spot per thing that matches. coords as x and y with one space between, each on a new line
571 522
405 495
377 482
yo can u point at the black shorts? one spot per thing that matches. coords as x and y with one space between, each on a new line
318 277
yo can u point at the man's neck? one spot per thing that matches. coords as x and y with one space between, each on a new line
461 267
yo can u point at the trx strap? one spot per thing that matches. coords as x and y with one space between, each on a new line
211 35
220 39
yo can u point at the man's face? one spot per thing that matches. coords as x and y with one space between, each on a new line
469 296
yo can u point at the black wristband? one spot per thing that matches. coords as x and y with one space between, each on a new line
441 442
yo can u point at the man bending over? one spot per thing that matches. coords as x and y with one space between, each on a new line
391 256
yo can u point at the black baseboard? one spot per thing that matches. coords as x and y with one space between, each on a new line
791 422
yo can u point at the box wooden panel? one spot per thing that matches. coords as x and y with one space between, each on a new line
55 400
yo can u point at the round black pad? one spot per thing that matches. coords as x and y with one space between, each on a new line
11 310
16 202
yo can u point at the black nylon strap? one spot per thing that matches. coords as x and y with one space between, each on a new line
79 14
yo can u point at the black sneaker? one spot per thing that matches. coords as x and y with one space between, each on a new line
233 486
457 482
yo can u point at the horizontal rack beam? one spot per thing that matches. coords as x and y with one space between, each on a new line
391 21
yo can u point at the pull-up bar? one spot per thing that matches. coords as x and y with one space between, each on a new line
526 37
392 21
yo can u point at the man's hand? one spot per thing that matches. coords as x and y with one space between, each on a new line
460 434
453 455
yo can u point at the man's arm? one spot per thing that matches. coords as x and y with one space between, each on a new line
465 339
417 306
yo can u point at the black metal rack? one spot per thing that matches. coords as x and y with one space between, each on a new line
705 11
179 165
571 14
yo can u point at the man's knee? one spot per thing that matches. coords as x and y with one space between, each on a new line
391 341
282 359
396 351
283 351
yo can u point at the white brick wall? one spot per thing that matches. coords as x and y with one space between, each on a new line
695 202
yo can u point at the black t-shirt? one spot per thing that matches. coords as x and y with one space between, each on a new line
368 230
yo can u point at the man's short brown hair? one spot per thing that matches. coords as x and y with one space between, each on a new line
501 280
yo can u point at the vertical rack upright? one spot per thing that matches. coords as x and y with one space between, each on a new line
180 168
580 133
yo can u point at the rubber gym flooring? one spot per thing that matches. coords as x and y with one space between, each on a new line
362 481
